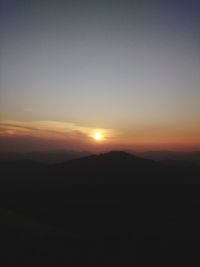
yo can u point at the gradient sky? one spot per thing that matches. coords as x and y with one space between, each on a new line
127 69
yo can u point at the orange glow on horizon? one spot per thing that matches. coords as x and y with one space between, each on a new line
74 136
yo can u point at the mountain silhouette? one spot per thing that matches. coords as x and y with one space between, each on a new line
50 157
101 209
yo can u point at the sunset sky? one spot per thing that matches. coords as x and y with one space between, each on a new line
127 70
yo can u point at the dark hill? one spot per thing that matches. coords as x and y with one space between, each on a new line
107 209
122 168
113 167
113 159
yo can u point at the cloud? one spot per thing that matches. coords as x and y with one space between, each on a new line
51 129
24 136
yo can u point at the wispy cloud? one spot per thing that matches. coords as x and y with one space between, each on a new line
52 129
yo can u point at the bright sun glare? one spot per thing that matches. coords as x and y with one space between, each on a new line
98 136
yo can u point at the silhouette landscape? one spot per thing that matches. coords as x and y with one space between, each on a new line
108 208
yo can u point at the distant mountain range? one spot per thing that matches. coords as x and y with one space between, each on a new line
112 167
170 156
53 156
106 204
58 156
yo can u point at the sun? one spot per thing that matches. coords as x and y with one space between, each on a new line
98 136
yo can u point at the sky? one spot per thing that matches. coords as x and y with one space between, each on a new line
129 70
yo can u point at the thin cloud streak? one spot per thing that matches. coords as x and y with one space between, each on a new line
52 129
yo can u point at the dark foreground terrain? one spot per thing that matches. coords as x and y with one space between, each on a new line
113 208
